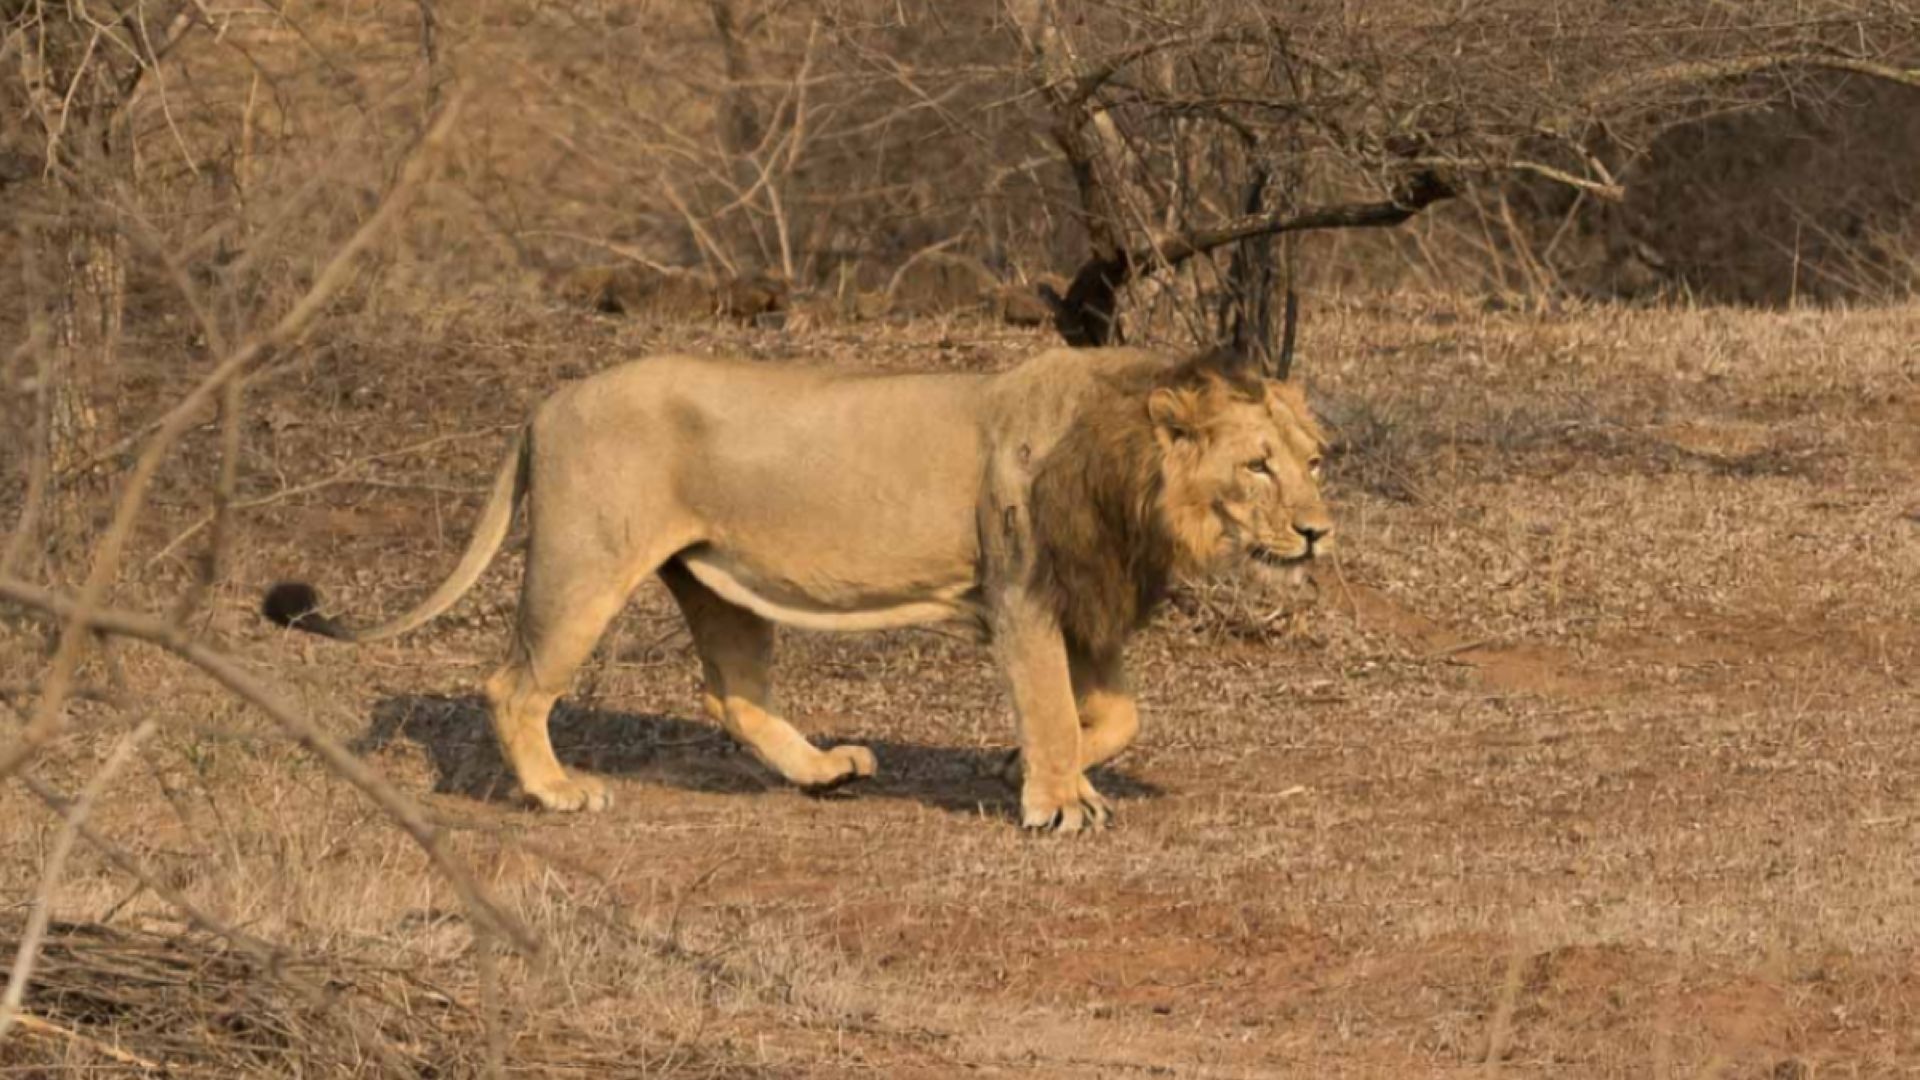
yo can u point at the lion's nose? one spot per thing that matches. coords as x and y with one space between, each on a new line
1313 533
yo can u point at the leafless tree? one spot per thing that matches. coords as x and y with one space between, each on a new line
1194 127
72 75
105 143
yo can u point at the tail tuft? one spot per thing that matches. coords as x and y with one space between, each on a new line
296 606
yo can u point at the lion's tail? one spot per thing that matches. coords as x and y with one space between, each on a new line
295 604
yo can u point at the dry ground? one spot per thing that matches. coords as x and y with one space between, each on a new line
1593 753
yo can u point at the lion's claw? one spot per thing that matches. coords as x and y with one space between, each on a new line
1050 823
1098 807
835 784
1090 811
1099 810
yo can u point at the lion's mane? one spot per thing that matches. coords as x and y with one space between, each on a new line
1107 541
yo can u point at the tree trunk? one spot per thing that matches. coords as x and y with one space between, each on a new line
88 306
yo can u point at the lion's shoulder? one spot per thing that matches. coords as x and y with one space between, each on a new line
1068 510
1028 407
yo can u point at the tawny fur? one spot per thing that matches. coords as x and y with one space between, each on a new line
1049 505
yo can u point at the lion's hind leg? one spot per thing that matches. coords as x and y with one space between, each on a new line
574 586
736 653
555 635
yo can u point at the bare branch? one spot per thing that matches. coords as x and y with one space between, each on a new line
1606 190
54 867
1636 83
250 689
48 714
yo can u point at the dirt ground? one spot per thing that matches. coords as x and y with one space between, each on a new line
1592 753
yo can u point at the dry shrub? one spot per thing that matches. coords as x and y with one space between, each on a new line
105 997
1808 200
1805 199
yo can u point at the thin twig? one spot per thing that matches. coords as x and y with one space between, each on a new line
48 716
1500 1027
37 464
55 866
271 958
342 475
212 562
113 1053
492 1013
672 937
338 758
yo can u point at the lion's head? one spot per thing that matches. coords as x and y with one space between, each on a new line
1240 472
1197 467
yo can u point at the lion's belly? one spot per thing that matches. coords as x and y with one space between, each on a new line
827 602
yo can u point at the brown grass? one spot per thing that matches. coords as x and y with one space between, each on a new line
1591 756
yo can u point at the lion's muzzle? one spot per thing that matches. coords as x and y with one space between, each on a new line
1311 537
1317 535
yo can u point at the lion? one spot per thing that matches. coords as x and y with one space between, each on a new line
1049 506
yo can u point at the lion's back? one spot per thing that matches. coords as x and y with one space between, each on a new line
1029 407
815 480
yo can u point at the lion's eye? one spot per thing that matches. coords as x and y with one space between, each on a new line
1313 466
1259 467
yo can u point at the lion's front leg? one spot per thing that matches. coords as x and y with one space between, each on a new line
1109 717
1054 793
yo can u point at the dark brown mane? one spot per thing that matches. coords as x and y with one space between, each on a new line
1104 554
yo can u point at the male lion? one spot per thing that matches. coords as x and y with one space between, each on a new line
1048 505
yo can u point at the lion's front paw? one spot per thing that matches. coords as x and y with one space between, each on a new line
1085 808
844 765
572 794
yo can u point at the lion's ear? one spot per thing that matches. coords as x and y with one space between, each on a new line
1292 398
1175 413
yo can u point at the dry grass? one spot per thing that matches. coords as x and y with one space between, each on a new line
1591 756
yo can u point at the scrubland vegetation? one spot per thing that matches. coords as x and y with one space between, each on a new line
1591 753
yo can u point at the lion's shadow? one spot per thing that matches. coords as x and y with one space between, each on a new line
690 755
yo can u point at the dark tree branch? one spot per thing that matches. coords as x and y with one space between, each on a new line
1290 325
1250 281
1418 192
1085 316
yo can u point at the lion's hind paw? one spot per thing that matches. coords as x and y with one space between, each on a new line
571 795
858 763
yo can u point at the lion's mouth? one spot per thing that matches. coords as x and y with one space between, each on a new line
1271 557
